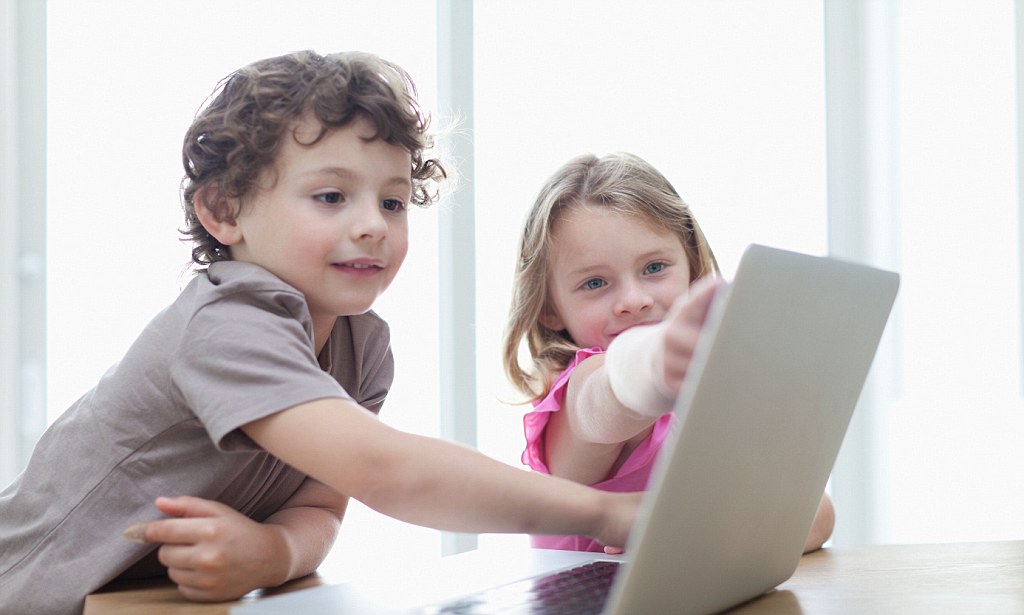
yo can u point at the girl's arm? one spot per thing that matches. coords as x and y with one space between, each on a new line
613 400
432 482
585 439
821 529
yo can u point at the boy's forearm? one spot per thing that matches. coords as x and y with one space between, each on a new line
306 536
307 525
458 489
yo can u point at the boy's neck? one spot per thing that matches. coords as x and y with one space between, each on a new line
322 332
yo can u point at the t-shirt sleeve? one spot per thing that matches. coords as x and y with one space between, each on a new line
245 357
535 422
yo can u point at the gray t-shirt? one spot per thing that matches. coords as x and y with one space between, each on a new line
236 346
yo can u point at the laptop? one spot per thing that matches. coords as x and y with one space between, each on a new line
764 408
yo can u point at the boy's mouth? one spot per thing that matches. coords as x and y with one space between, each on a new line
361 263
361 266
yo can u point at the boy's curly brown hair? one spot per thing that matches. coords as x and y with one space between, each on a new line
238 134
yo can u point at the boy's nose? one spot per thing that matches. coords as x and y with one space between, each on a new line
370 223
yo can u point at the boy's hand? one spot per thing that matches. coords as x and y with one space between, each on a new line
620 515
684 321
212 551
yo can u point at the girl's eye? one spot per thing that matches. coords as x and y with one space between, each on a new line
593 284
393 205
654 268
331 198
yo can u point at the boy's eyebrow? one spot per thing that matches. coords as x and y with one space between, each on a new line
344 173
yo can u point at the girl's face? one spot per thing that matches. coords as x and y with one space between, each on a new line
611 271
333 222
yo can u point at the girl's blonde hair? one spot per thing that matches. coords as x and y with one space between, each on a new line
627 184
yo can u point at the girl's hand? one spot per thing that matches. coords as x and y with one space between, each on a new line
212 551
645 365
684 322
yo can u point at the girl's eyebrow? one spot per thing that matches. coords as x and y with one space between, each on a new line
584 271
587 269
596 268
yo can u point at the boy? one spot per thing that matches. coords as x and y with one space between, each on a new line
255 391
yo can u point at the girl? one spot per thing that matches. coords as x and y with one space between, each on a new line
613 283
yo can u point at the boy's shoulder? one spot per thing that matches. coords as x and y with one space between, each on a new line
235 276
247 283
239 295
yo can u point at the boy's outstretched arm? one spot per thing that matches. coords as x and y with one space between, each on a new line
434 483
213 552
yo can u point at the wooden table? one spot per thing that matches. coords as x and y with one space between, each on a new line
906 579
158 597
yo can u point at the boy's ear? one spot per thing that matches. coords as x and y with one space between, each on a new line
218 215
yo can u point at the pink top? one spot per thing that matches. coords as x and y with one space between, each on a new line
632 476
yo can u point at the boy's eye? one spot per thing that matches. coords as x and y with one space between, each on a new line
331 198
654 268
593 284
392 205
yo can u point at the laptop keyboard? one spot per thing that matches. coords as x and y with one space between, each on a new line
582 590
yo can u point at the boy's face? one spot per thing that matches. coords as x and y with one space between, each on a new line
334 223
609 272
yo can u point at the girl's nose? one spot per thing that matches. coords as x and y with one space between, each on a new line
632 300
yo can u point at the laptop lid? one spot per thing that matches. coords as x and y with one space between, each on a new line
774 381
